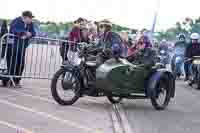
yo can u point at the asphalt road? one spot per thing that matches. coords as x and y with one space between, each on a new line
31 109
181 116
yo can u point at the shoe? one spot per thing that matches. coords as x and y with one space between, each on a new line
186 79
4 83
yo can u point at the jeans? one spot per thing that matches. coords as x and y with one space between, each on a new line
187 67
16 61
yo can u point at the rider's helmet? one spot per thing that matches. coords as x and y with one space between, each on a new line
181 37
194 37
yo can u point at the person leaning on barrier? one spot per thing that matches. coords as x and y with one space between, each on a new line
23 29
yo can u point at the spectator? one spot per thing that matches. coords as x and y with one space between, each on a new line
75 34
23 29
4 30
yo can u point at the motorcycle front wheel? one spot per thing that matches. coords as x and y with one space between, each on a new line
64 81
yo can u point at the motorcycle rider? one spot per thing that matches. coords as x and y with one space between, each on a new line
163 45
110 42
179 48
193 49
109 45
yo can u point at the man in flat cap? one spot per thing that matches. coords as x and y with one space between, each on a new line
23 29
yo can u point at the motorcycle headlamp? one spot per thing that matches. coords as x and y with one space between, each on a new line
196 62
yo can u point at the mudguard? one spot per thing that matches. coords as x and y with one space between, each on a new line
154 79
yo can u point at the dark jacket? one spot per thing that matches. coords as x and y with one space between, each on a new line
19 28
112 41
192 50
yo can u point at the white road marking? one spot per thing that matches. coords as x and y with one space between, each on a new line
43 114
18 128
49 101
7 96
84 98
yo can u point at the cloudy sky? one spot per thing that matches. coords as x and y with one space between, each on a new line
131 13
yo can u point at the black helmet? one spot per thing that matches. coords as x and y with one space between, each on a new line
181 36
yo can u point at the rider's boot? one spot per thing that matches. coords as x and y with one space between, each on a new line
186 77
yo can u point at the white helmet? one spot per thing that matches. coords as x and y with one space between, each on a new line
194 36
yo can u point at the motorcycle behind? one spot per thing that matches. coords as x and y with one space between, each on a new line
115 79
194 77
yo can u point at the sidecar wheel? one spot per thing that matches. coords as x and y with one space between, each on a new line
73 86
163 94
114 100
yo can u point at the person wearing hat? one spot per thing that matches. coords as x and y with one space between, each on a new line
23 29
109 40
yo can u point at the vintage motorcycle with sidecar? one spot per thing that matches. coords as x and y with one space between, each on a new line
117 79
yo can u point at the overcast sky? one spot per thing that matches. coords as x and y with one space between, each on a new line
131 13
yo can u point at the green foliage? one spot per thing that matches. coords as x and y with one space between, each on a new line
187 27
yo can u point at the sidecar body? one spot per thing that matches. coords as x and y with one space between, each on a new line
124 78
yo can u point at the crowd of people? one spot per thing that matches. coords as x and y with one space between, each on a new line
101 32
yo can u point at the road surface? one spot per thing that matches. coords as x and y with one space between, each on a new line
31 109
181 116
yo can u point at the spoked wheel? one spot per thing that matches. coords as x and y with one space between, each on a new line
65 87
114 100
161 101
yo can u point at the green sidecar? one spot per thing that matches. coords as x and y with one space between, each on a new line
126 80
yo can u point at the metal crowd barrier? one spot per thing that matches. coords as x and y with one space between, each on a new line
37 58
